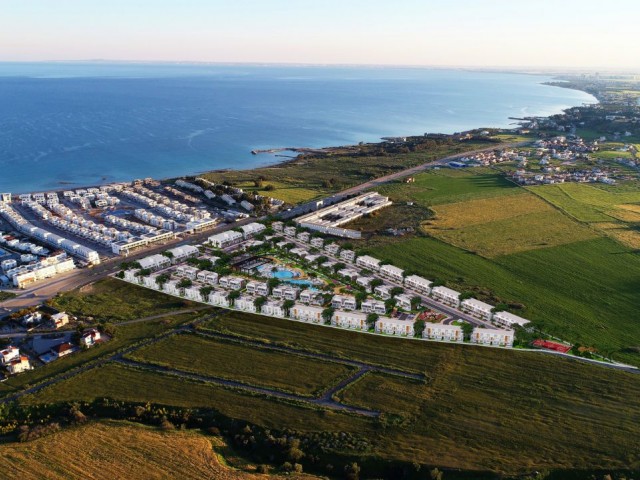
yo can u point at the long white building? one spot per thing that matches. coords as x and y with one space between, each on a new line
477 308
226 239
395 326
507 319
439 331
419 284
490 336
446 295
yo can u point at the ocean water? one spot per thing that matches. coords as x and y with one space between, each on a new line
66 125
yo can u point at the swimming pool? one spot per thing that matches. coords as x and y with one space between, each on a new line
283 274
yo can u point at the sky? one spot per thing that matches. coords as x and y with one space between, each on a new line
502 33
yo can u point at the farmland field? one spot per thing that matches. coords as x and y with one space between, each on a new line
479 408
244 364
108 450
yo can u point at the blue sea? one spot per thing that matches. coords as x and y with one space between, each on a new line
65 125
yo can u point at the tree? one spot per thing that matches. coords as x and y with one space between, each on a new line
360 297
205 292
416 301
167 254
372 318
258 183
376 282
390 304
272 283
418 328
184 283
233 295
270 188
436 474
287 305
120 274
467 330
396 291
338 266
327 314
321 259
259 302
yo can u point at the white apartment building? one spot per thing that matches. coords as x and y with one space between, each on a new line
383 291
347 255
317 242
187 271
440 331
277 226
419 284
154 262
304 237
395 326
353 320
332 248
370 263
507 319
252 229
285 292
309 296
348 273
344 302
183 252
365 282
207 277
257 288
373 306
193 293
490 336
225 239
219 298
245 303
392 272
477 308
446 296
306 313
403 301
290 231
272 308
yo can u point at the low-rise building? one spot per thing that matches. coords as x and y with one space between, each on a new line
290 231
219 298
252 229
245 303
309 296
90 337
383 291
205 276
373 306
370 263
9 354
365 282
59 319
344 302
179 254
393 273
232 282
347 255
403 301
446 296
477 308
349 319
187 271
490 336
440 331
285 292
304 237
395 326
306 313
226 239
332 248
317 242
154 262
62 350
19 365
419 284
272 308
193 293
349 273
257 288
277 227
510 320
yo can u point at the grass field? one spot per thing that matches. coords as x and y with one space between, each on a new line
108 450
504 225
125 335
583 292
480 408
113 300
245 364
6 296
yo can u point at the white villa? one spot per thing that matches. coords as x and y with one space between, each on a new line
490 336
477 308
373 306
446 295
507 319
383 291
365 282
347 255
304 237
19 365
219 298
420 284
225 239
395 326
245 303
187 271
154 262
317 242
171 287
277 226
272 308
290 231
403 301
392 272
343 302
193 293
285 292
257 288
207 277
439 331
132 276
353 320
183 252
9 354
365 261
309 296
252 229
234 283
348 273
332 248
306 313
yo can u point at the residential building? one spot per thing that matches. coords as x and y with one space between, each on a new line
231 282
383 291
207 277
285 292
393 273
62 350
403 301
19 365
309 296
477 308
59 319
252 229
370 263
154 262
90 337
343 302
273 308
132 276
349 274
395 326
290 231
245 303
317 242
373 306
306 313
171 287
347 255
193 293
182 253
277 227
9 354
440 331
365 282
187 271
257 288
446 296
332 248
304 237
226 239
419 284
490 336
353 320
219 298
507 319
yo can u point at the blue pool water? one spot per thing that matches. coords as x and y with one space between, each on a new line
283 274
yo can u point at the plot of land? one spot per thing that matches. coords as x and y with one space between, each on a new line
503 225
109 450
245 364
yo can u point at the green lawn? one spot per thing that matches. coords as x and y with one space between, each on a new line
6 296
115 300
245 364
583 292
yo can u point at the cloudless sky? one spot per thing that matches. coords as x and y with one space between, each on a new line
551 33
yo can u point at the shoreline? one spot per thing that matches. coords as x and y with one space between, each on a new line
286 160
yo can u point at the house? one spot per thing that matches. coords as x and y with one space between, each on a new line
299 252
9 354
365 282
90 338
440 331
257 288
347 255
290 231
373 306
477 308
187 271
171 287
252 229
31 319
277 227
490 336
354 320
19 365
150 281
306 313
317 242
309 296
272 308
132 276
343 302
403 301
285 292
348 273
393 273
60 319
446 296
231 282
219 298
395 326
225 239
304 237
210 278
62 350
383 291
182 253
245 303
507 319
332 248
193 293
154 262
419 284
370 263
